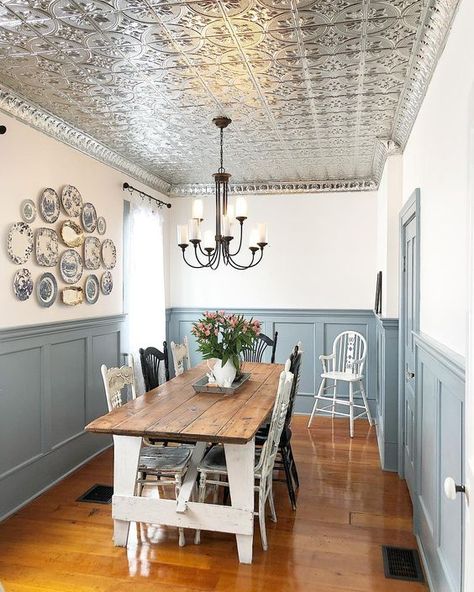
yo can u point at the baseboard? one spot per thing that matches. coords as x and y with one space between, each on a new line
55 482
426 570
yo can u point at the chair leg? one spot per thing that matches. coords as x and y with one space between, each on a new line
334 398
366 403
293 466
261 516
351 409
177 487
289 480
315 406
202 497
271 500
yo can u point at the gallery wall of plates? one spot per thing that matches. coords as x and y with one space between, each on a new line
67 237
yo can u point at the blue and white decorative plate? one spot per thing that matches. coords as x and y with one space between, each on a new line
109 254
101 225
72 201
92 289
89 217
28 210
46 247
49 205
106 283
22 284
92 252
70 266
46 289
19 242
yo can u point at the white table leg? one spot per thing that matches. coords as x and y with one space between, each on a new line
126 455
186 488
240 460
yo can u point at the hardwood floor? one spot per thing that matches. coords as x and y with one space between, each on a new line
347 509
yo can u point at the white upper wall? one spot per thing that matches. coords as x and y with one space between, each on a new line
30 161
436 161
321 254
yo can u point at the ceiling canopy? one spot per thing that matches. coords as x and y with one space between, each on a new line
318 90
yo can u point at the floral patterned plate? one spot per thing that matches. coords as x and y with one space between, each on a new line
49 205
19 242
106 283
109 254
92 252
46 247
72 201
22 284
89 217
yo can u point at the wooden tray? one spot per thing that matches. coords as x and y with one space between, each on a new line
202 385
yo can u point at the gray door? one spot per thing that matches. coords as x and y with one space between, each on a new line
410 324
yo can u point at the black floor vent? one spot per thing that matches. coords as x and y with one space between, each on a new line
402 564
99 494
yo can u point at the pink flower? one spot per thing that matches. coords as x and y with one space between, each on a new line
233 321
244 329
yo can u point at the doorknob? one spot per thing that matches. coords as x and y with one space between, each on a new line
409 374
451 488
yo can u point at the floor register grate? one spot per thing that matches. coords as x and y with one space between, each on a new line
402 564
98 494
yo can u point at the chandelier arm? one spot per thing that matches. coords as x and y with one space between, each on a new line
240 241
196 255
190 264
241 267
217 260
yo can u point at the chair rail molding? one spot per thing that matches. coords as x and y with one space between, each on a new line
50 388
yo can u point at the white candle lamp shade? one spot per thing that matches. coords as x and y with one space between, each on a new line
183 237
253 240
226 227
198 210
209 242
241 208
230 212
262 234
194 230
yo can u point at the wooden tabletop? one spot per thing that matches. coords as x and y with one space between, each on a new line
175 411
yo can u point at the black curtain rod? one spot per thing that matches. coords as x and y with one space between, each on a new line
142 193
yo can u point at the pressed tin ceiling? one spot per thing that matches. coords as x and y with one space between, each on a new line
319 91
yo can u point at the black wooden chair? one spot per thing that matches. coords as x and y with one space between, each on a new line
286 460
150 359
260 345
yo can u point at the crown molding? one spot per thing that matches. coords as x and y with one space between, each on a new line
40 119
275 187
438 17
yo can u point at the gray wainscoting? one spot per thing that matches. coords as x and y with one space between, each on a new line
50 388
439 437
387 391
315 328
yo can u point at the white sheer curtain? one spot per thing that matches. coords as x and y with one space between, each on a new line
145 281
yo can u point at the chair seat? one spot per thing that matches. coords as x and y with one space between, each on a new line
345 376
214 461
160 459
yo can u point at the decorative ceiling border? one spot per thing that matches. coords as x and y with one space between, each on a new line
40 119
438 17
273 188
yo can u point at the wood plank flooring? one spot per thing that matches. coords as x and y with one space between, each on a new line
347 509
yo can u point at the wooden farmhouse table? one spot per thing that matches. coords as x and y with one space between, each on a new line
174 411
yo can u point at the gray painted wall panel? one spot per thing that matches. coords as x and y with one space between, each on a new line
20 408
49 375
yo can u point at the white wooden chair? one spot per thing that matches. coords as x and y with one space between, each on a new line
214 462
167 463
345 364
181 359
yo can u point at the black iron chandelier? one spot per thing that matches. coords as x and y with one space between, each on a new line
217 246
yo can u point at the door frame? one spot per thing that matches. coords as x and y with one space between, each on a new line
410 211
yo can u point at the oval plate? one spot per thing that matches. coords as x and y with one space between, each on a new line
109 254
72 201
89 217
46 247
101 225
92 289
49 205
22 284
70 266
106 283
92 252
28 211
19 242
46 289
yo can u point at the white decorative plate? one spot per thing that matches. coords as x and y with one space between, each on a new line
72 234
28 210
70 266
22 284
72 295
109 254
89 217
101 225
46 289
46 247
49 205
19 242
71 200
106 283
92 252
92 289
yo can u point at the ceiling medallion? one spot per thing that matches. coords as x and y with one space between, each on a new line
217 247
